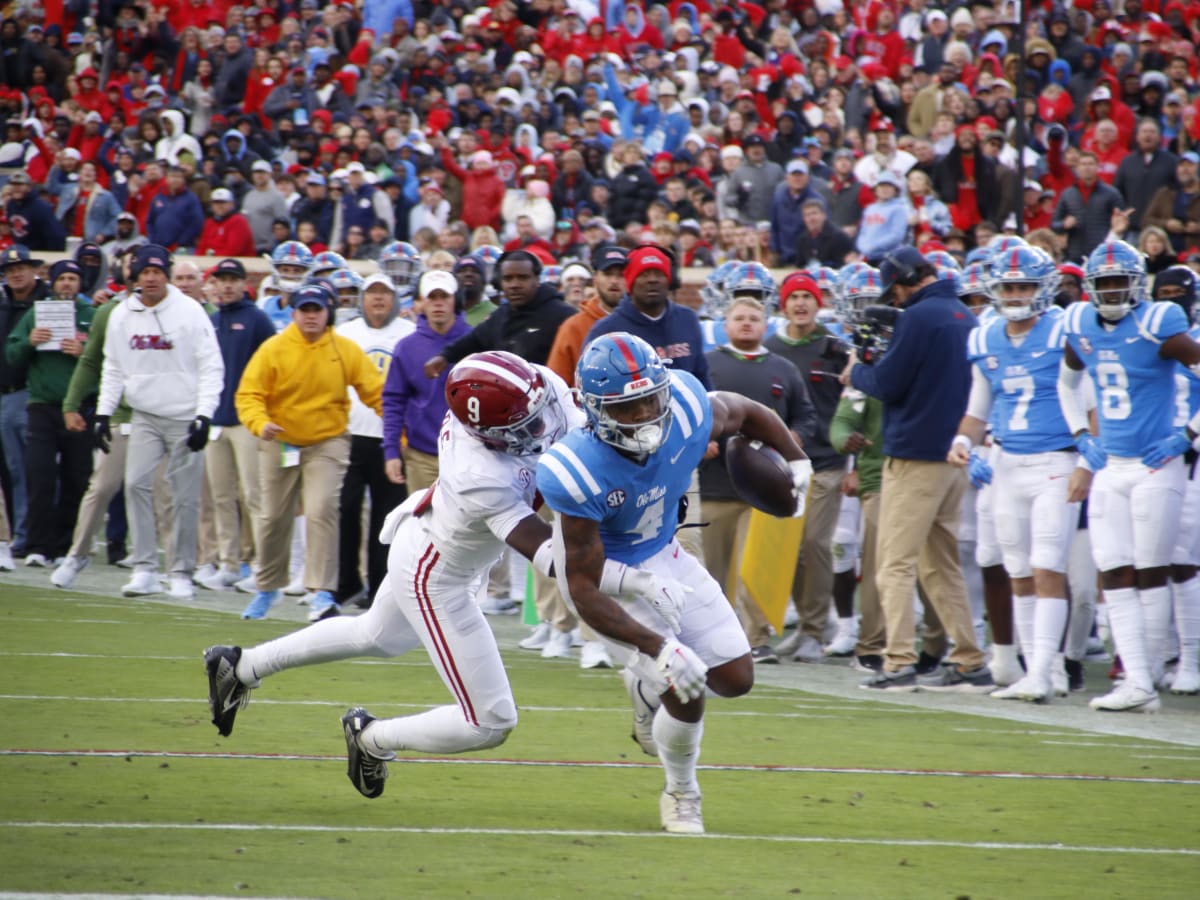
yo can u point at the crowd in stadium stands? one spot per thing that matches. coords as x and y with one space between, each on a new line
431 178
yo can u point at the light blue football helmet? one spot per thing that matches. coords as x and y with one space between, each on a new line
617 372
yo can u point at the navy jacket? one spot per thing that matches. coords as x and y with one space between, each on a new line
676 336
924 378
241 327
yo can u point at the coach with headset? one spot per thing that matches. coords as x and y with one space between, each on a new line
525 324
293 396
923 382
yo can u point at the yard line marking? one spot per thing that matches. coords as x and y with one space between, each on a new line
600 764
1160 756
9 895
593 833
1097 744
1031 731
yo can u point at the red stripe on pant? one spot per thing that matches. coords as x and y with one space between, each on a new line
441 646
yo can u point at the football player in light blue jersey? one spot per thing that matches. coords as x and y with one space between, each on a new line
617 486
291 264
1178 284
1130 348
1036 486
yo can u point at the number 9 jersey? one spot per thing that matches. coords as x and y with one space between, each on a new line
636 504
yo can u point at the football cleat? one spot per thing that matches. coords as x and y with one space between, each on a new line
226 692
1029 689
643 713
680 812
1185 681
366 771
1127 698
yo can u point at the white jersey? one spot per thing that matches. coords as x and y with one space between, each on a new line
481 495
378 344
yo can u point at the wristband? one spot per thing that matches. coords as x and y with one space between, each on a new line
543 558
961 440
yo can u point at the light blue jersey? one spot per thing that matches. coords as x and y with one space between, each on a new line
635 503
1135 387
713 331
1026 417
277 309
1187 389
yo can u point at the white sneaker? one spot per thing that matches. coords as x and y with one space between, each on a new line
206 571
6 557
1004 666
35 561
791 618
788 645
499 606
1127 698
218 580
644 709
247 585
296 588
1185 682
576 637
1059 682
558 646
141 584
125 562
844 641
539 638
64 576
681 812
1029 688
180 587
808 650
594 655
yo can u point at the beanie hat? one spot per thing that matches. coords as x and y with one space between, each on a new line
644 259
149 255
800 281
64 266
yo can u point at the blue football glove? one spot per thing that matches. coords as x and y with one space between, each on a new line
979 470
1093 454
1162 452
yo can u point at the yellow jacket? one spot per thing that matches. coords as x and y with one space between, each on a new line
301 386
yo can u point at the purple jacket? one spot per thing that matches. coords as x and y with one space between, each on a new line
413 404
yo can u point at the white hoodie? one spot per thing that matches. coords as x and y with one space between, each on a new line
178 141
164 359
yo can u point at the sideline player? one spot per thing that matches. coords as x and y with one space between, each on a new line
504 412
1129 347
616 487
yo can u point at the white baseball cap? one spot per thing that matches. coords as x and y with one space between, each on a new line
222 195
437 280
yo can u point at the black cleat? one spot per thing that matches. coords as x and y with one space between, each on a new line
1075 678
226 693
366 771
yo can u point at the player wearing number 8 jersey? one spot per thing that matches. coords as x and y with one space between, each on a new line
1129 347
616 487
1016 357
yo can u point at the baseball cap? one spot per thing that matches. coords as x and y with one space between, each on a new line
1191 156
844 152
797 166
19 178
607 256
800 281
1175 97
437 280
231 268
260 165
313 295
1101 93
150 256
74 38
576 270
690 225
888 177
355 166
645 259
16 254
314 178
754 140
732 150
898 264
222 195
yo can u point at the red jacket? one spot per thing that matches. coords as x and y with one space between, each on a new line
483 192
139 203
226 237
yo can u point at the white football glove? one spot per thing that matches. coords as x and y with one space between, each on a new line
684 671
666 594
801 475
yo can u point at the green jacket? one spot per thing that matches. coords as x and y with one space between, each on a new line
86 380
49 370
858 412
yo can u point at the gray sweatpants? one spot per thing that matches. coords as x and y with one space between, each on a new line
152 438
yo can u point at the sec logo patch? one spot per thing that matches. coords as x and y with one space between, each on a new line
615 498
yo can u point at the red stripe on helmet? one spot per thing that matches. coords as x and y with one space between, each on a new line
630 360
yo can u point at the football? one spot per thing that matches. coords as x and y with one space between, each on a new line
760 476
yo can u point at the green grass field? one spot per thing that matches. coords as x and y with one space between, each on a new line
113 781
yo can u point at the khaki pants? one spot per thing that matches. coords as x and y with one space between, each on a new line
812 587
207 550
918 535
317 483
420 469
231 462
108 472
872 633
691 539
724 541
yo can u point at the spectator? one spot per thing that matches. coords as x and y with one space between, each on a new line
927 215
175 216
161 355
293 397
966 182
126 240
262 205
472 291
787 211
480 183
754 182
884 222
932 99
231 457
363 203
819 242
846 193
1176 210
1143 172
226 232
377 331
632 189
432 212
1085 210
886 156
413 404
87 210
609 262
31 218
316 207
923 383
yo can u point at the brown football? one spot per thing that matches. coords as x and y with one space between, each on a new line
760 476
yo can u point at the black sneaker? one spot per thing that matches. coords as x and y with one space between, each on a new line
868 662
927 663
903 680
116 552
955 678
764 654
226 692
366 771
1075 679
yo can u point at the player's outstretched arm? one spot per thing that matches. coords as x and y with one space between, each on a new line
735 414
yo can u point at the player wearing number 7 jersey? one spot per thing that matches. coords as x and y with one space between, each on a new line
616 487
1037 485
1129 347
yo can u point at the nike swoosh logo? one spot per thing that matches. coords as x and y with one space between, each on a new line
675 458
1039 353
1136 337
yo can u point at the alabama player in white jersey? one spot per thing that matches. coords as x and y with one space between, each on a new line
616 488
1130 348
1037 486
504 413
